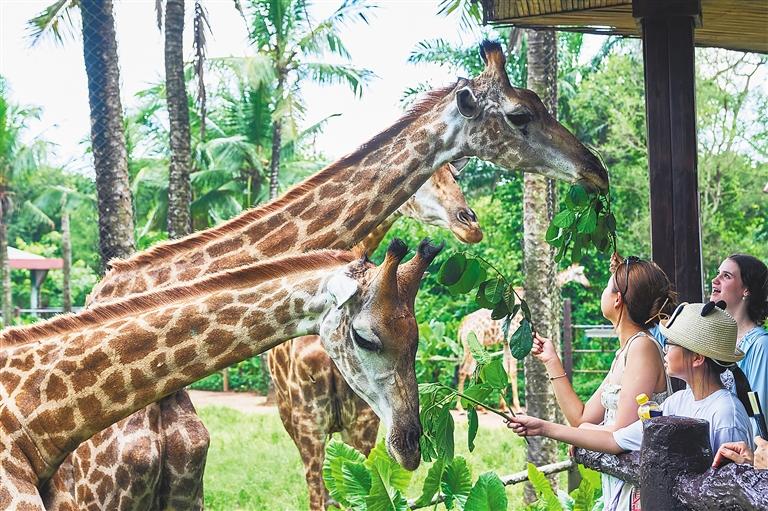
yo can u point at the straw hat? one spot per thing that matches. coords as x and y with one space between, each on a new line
712 334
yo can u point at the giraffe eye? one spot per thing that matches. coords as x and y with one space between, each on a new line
364 343
519 119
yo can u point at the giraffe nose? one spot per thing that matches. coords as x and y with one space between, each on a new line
466 216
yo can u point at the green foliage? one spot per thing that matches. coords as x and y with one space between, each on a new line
487 494
583 498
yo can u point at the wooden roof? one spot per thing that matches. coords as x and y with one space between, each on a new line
733 24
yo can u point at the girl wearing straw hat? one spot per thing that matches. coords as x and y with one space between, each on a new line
701 344
637 294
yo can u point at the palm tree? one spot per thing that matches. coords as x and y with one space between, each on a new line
542 294
63 200
179 187
282 31
107 132
16 158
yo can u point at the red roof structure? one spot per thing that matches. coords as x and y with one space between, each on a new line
21 260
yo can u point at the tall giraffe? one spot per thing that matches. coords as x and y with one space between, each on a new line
65 379
312 397
484 117
489 332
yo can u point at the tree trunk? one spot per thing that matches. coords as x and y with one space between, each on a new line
107 131
274 164
5 268
179 187
541 289
66 254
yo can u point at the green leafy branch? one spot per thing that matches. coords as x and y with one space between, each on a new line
583 498
462 273
586 220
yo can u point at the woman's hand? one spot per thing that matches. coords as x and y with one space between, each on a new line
761 453
543 349
738 452
524 425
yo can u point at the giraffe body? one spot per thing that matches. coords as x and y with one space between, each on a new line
484 117
64 380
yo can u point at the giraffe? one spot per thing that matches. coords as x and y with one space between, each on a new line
312 397
484 117
67 378
489 332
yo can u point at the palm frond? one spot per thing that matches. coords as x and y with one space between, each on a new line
333 74
200 25
159 14
37 215
54 21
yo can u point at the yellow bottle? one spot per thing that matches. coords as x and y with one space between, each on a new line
647 408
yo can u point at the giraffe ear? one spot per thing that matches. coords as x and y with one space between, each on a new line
342 287
467 103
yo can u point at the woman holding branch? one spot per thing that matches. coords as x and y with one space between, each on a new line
637 295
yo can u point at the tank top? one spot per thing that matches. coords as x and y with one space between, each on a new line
613 496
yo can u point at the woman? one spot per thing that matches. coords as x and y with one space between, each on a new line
701 344
636 296
742 282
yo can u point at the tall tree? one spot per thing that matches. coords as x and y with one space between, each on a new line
179 187
542 293
16 157
283 31
107 133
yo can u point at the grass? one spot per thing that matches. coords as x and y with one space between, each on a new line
253 464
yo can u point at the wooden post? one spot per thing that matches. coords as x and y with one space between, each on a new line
668 55
225 379
671 446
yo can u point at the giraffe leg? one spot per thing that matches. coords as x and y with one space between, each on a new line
460 387
119 469
186 449
310 440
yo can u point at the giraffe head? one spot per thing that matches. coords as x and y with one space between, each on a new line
511 127
441 202
574 273
372 336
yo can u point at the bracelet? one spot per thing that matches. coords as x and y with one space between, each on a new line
553 378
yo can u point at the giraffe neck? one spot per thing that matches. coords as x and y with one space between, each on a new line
371 242
334 209
87 379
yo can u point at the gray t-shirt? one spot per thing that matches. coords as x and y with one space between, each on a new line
728 420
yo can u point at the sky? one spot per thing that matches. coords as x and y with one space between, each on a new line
53 77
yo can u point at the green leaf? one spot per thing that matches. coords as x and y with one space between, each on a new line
588 222
444 433
480 298
552 232
336 454
473 425
472 275
382 496
457 483
431 483
357 481
578 195
509 298
452 269
526 310
565 219
499 310
488 494
478 392
494 290
522 340
477 349
610 222
543 488
396 476
494 374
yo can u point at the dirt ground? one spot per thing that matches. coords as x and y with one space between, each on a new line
248 402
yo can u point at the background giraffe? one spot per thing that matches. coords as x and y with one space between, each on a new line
312 397
489 332
67 378
335 208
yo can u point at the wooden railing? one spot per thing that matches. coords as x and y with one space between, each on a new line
673 470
